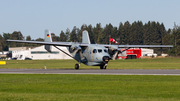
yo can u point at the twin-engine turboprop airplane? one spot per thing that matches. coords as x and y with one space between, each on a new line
87 53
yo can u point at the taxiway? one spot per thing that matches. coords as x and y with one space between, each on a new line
92 71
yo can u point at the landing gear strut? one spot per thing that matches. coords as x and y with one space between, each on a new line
76 66
103 66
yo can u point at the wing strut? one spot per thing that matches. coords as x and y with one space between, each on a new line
64 52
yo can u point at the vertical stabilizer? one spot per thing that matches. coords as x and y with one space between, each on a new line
85 37
47 38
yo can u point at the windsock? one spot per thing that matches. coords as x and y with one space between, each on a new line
113 40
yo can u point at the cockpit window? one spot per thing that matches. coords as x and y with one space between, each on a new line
99 50
105 50
94 51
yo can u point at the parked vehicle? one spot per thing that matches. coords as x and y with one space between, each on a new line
131 54
27 58
15 58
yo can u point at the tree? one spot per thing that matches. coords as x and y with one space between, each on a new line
16 35
140 32
146 33
6 36
67 34
167 40
62 36
28 38
133 35
97 33
120 33
91 34
126 32
73 35
55 38
107 31
84 27
79 35
176 39
1 42
39 39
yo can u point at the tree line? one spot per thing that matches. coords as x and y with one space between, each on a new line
137 33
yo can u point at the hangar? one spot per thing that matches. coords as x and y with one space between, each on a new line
38 53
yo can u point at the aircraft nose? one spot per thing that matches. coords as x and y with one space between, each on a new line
106 58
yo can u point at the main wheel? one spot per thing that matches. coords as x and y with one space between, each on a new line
104 67
76 66
101 67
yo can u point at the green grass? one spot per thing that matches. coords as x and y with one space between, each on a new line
152 63
40 87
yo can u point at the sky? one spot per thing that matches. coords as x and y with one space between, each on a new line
32 17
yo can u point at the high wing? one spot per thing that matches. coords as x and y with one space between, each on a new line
137 46
83 44
114 50
49 43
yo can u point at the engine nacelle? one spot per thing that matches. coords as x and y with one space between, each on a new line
74 48
113 52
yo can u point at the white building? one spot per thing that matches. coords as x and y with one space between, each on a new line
39 53
148 52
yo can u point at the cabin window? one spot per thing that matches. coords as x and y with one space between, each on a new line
105 50
100 50
94 51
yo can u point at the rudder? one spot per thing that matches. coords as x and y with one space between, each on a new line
85 37
47 38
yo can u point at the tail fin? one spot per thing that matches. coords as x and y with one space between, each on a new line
47 38
85 37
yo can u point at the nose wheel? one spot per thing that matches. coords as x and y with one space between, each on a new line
76 66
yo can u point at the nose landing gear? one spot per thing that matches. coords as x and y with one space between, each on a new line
106 60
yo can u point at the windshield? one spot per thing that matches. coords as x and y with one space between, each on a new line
105 50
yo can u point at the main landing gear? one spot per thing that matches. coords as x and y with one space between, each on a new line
76 66
103 66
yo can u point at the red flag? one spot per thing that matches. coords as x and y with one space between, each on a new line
113 40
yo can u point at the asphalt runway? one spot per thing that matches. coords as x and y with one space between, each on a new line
92 71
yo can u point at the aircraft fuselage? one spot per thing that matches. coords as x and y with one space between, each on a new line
93 55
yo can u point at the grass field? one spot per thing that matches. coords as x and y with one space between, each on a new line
50 87
64 87
152 63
